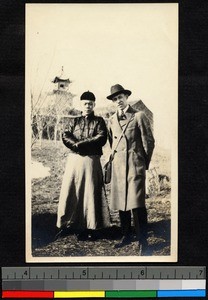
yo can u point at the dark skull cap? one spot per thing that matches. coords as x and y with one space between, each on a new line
87 96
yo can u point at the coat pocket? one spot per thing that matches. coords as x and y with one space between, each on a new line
139 163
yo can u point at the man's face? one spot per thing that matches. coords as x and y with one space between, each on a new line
120 100
87 106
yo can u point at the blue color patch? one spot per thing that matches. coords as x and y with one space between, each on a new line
182 293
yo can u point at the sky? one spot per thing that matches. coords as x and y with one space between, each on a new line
99 45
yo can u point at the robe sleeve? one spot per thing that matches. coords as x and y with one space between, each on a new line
69 139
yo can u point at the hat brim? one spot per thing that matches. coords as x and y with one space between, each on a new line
119 92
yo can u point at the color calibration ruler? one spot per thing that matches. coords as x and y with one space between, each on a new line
103 282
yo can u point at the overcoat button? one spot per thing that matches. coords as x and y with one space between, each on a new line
115 137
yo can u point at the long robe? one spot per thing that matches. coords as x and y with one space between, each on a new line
82 202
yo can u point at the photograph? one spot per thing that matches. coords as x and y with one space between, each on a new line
101 132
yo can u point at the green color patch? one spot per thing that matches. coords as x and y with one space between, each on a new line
131 294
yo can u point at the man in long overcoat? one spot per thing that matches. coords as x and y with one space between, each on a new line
131 160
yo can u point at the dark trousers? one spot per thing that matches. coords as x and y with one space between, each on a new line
140 222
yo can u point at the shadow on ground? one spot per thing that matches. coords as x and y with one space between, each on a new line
159 237
160 229
43 229
44 232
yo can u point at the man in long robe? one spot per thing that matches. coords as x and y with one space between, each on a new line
82 204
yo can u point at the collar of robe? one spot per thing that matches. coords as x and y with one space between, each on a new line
89 117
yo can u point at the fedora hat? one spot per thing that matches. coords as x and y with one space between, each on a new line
116 90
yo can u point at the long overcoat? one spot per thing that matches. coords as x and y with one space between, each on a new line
131 159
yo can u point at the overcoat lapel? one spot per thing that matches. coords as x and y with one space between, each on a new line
128 114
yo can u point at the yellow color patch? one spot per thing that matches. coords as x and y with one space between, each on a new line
80 294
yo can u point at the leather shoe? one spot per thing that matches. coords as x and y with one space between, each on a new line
87 236
92 237
83 236
125 241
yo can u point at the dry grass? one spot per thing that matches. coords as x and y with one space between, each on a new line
45 195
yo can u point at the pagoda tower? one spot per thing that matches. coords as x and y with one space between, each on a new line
62 100
61 83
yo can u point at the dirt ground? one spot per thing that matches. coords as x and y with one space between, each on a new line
45 196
